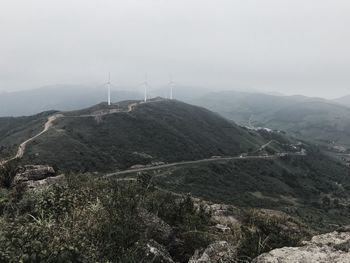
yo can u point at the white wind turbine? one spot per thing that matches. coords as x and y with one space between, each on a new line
145 86
109 90
171 85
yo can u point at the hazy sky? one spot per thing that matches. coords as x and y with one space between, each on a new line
289 46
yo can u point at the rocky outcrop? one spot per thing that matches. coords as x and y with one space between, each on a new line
46 182
33 172
331 248
220 251
225 214
36 176
157 228
153 252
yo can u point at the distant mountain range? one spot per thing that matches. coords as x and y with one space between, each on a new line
343 100
315 119
59 97
320 120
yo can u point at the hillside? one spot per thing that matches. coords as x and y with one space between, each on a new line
158 131
315 119
318 121
312 187
13 131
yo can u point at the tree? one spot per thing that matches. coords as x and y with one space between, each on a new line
326 201
7 173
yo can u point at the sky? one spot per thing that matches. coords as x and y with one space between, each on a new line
291 47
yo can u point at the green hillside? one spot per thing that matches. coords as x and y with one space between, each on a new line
14 130
312 187
165 131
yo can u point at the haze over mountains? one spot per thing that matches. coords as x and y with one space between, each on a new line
59 97
316 119
73 97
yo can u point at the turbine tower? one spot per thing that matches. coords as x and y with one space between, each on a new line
109 89
171 85
145 85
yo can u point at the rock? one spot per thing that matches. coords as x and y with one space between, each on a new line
33 172
36 176
225 214
156 227
46 182
222 228
222 214
327 248
153 252
219 251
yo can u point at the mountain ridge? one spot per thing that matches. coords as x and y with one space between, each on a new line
159 130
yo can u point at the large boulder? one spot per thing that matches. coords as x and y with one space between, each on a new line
225 214
220 251
327 248
36 176
33 173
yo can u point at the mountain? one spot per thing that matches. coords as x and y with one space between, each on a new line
180 92
343 100
315 119
59 97
203 204
130 133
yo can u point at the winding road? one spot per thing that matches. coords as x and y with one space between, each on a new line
183 163
23 145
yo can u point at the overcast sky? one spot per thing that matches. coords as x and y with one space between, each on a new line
288 46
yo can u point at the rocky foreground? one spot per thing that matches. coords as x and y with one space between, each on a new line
230 233
327 248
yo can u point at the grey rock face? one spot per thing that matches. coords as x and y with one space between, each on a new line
37 176
332 247
33 172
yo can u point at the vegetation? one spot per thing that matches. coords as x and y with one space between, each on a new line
14 131
91 219
94 219
7 174
297 185
139 137
264 230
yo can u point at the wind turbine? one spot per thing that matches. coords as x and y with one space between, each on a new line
145 85
171 85
109 89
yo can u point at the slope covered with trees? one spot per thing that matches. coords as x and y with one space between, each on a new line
158 131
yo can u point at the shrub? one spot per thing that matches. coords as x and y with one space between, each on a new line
7 174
